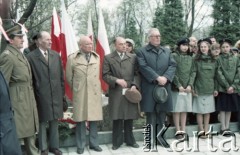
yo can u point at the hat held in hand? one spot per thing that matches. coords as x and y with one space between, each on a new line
160 94
133 96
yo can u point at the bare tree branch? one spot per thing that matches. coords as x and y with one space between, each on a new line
28 12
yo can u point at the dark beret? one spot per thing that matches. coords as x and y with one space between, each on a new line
183 41
225 40
204 39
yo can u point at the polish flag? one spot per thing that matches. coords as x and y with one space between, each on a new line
63 39
55 32
102 46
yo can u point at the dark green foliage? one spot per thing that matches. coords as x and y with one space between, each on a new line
132 32
226 15
169 20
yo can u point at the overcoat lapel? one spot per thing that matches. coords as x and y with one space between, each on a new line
41 57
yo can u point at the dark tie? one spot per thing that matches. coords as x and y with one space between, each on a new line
87 57
46 55
121 56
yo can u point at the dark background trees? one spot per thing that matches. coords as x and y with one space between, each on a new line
226 17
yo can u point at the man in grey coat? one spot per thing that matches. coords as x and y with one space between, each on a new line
119 70
156 67
48 81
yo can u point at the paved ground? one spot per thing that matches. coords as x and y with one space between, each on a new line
203 148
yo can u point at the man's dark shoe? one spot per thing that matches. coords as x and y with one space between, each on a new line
55 151
96 148
44 152
134 145
115 147
80 151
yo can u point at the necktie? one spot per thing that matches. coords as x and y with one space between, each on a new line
121 56
46 55
87 57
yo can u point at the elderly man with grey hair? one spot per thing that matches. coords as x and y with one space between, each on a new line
157 67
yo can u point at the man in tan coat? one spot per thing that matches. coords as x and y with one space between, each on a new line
18 75
82 73
119 72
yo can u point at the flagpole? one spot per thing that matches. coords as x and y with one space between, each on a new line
95 3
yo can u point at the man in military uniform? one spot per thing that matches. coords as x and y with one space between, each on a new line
17 73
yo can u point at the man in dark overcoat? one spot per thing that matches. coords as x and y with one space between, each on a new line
156 67
119 68
48 81
9 143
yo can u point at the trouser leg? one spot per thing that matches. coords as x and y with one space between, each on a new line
93 134
128 132
29 143
42 136
81 134
53 134
117 134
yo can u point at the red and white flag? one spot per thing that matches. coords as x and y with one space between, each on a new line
63 39
55 32
102 46
68 42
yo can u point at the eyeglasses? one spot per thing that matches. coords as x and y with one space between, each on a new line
157 36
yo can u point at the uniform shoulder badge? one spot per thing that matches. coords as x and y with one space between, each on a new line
6 52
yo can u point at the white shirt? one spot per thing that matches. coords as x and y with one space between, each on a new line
119 53
43 52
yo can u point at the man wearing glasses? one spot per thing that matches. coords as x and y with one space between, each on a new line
157 67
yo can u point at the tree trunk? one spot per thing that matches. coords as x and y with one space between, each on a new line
192 20
28 11
5 15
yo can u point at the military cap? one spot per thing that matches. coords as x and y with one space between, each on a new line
160 94
130 41
204 39
225 40
183 41
14 31
134 96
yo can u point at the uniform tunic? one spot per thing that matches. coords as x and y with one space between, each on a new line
228 75
182 102
204 71
18 75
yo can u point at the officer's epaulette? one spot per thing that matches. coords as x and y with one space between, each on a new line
6 52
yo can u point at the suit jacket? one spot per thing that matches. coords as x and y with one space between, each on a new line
114 68
48 82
